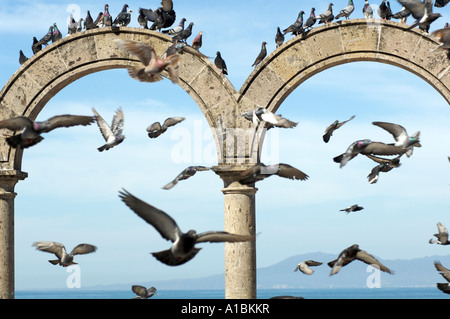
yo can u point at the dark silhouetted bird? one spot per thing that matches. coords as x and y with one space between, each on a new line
154 130
220 63
442 236
333 127
31 130
183 248
36 46
112 134
402 139
444 287
305 266
353 208
311 21
383 10
89 21
260 171
441 3
262 54
354 253
143 22
385 165
142 292
22 57
151 66
64 259
279 37
185 174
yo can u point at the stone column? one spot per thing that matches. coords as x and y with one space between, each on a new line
240 258
8 180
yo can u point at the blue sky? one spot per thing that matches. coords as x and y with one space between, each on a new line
71 194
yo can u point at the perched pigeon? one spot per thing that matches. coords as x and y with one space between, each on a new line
64 259
347 11
260 171
385 165
185 174
31 130
177 29
353 208
220 63
89 21
197 42
99 20
441 3
354 253
123 18
367 147
262 54
402 139
297 27
305 266
444 287
142 292
72 25
142 20
107 18
112 134
46 38
152 66
327 16
279 37
367 10
333 127
56 34
383 10
155 129
402 15
311 21
183 248
36 46
442 236
22 57
183 34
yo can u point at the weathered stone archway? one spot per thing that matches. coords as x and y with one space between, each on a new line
69 59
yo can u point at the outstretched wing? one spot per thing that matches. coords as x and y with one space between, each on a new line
221 236
66 120
370 260
82 249
104 127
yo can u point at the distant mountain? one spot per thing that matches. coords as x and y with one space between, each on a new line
418 272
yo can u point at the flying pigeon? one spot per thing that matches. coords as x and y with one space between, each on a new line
220 63
311 20
297 27
112 134
443 37
22 57
367 147
88 21
183 34
333 127
425 22
185 174
36 46
177 29
305 266
123 18
197 42
353 208
367 10
107 18
402 15
142 292
441 3
444 287
417 7
152 66
31 130
155 129
385 165
442 236
327 16
183 248
261 114
260 171
347 11
279 37
354 253
64 259
402 139
262 54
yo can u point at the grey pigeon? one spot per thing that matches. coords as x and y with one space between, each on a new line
183 248
444 287
402 139
367 147
260 171
142 292
177 29
107 18
279 37
22 57
123 18
99 20
89 21
36 46
427 19
64 259
297 27
142 20
311 21
441 3
354 253
220 63
402 15
305 266
184 34
333 127
367 10
442 236
112 134
262 54
46 38
156 129
151 66
327 16
351 209
417 7
30 131
261 114
56 34
347 11
185 174
72 25
383 10
385 165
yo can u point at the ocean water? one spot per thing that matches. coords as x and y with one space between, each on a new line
331 293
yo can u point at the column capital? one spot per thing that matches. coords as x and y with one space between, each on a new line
231 175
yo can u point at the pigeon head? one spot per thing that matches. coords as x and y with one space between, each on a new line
364 143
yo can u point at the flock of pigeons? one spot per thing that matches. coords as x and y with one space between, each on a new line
183 243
